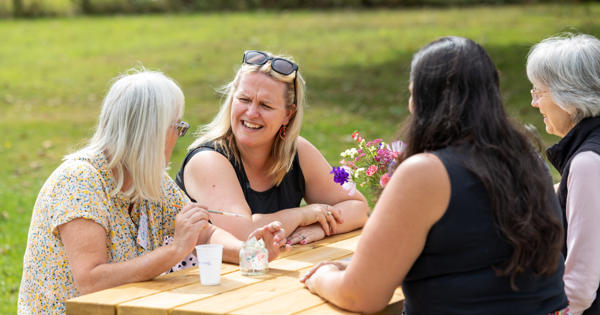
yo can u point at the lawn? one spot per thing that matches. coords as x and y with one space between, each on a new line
54 73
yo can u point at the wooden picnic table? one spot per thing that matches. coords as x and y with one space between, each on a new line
277 292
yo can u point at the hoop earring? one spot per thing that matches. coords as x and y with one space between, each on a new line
282 131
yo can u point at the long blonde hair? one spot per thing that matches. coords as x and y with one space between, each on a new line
136 113
219 131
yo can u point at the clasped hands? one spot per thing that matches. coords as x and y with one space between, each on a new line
319 220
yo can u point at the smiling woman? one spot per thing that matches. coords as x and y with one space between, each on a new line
110 214
565 72
251 160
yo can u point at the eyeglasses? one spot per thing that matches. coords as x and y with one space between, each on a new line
182 127
536 94
279 65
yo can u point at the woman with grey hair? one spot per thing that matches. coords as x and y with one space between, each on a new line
105 215
251 160
565 73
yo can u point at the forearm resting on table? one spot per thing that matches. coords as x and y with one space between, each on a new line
354 214
108 275
242 227
338 288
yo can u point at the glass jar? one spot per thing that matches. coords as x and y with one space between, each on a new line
254 258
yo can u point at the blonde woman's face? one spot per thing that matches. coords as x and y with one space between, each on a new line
258 110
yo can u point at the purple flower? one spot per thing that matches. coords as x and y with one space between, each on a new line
340 175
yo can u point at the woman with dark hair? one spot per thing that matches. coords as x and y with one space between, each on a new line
469 223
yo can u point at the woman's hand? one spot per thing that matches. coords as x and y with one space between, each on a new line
188 225
306 234
273 235
309 279
327 216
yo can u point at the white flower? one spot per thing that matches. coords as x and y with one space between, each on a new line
351 153
358 171
398 146
350 187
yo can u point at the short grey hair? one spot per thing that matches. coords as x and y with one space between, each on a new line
136 113
569 65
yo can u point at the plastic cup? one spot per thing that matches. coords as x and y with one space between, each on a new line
209 263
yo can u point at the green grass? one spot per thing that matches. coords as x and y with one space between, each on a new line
54 73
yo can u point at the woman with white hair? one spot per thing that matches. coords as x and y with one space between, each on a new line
565 73
251 160
104 216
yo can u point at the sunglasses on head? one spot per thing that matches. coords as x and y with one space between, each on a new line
279 65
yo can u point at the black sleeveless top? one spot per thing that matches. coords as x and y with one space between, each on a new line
288 194
455 272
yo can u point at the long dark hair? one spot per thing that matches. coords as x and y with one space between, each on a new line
456 102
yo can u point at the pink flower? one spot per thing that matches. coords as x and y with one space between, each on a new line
385 178
356 136
371 170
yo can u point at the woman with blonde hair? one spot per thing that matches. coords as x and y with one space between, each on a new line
251 160
105 215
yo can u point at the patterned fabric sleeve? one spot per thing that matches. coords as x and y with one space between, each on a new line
78 193
175 201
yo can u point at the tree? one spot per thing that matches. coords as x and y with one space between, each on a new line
17 8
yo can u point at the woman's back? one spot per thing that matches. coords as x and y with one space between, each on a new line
455 273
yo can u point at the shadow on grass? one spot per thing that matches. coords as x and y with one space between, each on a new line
379 91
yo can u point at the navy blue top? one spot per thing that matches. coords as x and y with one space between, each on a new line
455 272
287 194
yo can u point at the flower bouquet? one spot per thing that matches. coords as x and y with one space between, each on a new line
369 166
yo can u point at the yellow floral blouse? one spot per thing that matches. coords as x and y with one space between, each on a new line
79 188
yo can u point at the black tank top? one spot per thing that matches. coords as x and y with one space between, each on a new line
288 194
455 272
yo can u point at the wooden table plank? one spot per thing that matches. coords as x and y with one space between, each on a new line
287 303
161 303
309 258
242 297
296 249
277 292
395 306
103 302
270 289
325 308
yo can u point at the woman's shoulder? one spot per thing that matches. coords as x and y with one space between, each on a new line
81 168
585 164
305 148
586 159
423 166
173 194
